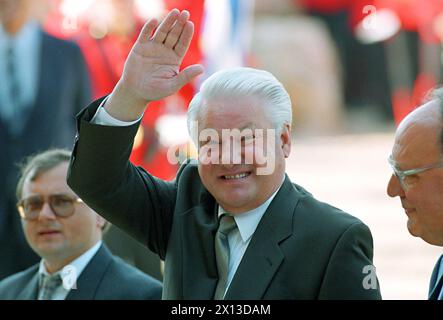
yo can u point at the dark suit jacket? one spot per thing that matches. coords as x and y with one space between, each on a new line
436 284
63 90
104 278
302 248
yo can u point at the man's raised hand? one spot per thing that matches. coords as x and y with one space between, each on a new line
152 69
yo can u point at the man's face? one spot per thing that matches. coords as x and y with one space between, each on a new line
417 145
56 238
243 184
9 9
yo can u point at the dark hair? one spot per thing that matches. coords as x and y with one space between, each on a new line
39 163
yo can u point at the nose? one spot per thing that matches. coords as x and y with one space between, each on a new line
394 188
46 212
232 153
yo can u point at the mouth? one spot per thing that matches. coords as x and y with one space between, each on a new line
48 233
236 177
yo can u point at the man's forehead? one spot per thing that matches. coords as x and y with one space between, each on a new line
241 128
52 180
416 143
240 115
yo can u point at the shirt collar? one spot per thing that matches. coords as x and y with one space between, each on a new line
79 264
248 221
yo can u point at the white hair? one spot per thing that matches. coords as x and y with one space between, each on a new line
243 82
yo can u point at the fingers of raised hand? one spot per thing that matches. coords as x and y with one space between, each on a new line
176 30
184 41
146 32
166 25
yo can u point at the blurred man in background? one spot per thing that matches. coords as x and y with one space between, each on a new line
43 84
417 162
67 235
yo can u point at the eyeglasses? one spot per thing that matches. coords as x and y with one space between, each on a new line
403 174
62 206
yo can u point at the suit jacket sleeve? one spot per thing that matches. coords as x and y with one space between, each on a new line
350 273
127 196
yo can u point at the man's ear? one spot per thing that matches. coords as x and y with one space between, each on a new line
285 138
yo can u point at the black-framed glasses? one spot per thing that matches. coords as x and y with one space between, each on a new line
61 204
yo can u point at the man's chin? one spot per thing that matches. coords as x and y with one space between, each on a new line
428 237
235 204
48 249
413 229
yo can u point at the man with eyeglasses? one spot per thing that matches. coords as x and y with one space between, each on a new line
417 162
67 235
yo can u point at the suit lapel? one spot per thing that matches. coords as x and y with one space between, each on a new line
30 291
258 266
92 275
263 255
436 285
198 229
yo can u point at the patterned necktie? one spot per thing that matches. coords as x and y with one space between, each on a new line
227 224
48 284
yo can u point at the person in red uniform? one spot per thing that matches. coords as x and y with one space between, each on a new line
413 52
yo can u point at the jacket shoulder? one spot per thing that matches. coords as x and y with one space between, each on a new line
123 281
188 168
62 44
11 286
322 217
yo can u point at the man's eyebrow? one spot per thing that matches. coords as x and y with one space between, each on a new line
249 125
62 194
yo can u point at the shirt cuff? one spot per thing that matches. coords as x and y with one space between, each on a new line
102 117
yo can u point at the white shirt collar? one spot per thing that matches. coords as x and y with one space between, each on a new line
78 264
248 221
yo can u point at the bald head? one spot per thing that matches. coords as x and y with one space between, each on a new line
424 122
417 158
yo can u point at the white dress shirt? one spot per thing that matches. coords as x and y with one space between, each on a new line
26 46
102 117
79 264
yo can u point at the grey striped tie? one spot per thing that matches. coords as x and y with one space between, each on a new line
48 284
227 224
